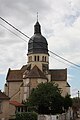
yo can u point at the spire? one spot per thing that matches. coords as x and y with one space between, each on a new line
37 27
37 16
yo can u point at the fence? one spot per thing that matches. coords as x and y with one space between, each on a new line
65 116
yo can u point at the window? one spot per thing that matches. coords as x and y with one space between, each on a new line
18 109
37 58
45 58
42 58
34 58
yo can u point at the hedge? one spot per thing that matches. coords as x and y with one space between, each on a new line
26 116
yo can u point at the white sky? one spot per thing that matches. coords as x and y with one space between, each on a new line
60 24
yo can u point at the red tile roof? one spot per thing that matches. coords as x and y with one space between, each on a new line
15 103
58 74
3 96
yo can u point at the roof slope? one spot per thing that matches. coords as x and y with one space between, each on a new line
14 75
15 103
3 96
58 74
35 73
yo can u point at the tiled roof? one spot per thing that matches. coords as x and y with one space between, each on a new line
58 74
24 67
14 75
15 103
35 73
3 96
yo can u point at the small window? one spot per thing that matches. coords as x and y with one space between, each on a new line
21 109
37 58
34 58
0 107
45 58
42 58
18 109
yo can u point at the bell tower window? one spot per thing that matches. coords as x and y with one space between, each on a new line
42 58
34 58
45 58
37 58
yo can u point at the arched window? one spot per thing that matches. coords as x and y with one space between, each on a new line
45 58
34 58
37 58
42 58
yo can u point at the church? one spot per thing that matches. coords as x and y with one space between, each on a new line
19 83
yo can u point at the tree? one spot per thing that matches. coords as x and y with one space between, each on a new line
67 102
46 98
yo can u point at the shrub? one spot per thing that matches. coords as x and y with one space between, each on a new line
26 116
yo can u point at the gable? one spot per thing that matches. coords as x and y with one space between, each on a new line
35 73
14 75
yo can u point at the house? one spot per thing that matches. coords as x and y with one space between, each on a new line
4 106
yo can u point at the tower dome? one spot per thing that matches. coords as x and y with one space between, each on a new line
37 43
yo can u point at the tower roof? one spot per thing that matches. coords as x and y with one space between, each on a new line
37 43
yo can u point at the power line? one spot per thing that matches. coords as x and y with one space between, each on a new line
13 32
26 41
64 59
65 63
14 27
40 45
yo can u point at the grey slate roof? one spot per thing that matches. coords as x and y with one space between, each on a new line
37 43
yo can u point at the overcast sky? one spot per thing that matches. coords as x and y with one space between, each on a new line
60 24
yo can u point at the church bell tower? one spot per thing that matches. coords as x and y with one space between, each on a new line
38 50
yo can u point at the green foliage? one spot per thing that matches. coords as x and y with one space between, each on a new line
26 116
67 102
46 99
